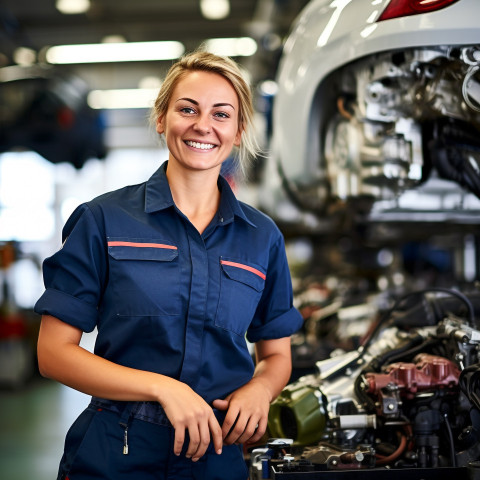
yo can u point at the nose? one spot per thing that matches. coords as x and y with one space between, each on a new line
202 125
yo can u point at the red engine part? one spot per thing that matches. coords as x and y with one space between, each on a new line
429 372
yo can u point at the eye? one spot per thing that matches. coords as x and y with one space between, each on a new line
187 110
222 115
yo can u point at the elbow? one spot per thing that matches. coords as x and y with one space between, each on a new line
43 371
42 367
43 362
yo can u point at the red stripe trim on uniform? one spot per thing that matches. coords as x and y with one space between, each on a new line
244 267
135 244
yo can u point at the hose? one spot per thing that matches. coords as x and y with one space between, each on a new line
381 460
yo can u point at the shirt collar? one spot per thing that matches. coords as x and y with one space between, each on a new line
157 193
159 197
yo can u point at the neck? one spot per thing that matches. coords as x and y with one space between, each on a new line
195 194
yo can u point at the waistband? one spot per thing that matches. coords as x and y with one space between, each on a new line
147 411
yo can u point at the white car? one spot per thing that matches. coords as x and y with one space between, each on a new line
378 110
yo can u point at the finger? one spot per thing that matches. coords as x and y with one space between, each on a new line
194 441
259 431
179 439
237 430
203 442
216 432
247 432
220 404
230 420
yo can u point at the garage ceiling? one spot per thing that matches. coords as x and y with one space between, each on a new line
36 24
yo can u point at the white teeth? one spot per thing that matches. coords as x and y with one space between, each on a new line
203 146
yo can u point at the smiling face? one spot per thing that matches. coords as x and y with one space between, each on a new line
201 123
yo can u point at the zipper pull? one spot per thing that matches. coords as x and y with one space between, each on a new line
125 441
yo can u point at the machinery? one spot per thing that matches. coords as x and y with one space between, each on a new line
405 403
376 152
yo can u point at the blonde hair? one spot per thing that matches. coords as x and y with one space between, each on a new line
208 62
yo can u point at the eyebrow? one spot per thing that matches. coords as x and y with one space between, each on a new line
191 100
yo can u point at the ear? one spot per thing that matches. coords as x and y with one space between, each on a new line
160 127
238 137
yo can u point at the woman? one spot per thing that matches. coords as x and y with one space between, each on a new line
174 273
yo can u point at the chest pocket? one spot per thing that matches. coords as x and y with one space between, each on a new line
144 276
241 286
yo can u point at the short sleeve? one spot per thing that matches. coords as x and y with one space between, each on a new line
75 276
276 317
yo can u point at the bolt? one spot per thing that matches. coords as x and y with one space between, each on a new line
359 456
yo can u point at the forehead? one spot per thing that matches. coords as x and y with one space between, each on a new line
205 86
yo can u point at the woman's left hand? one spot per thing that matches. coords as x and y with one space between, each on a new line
247 413
247 408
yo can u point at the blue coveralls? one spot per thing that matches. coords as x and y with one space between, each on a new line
168 300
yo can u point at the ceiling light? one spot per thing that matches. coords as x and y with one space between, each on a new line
114 52
24 56
150 81
114 39
232 47
215 9
72 7
122 98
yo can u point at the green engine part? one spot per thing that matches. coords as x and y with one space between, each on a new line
297 414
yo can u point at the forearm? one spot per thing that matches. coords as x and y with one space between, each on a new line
273 368
62 359
78 368
273 372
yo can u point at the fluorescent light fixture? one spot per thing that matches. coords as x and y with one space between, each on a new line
72 7
215 9
122 98
24 56
114 52
232 47
150 81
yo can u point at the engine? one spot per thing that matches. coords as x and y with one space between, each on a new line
404 117
407 402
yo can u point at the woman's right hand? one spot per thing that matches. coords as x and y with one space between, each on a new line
188 412
61 358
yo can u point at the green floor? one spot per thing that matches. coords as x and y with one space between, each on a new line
33 422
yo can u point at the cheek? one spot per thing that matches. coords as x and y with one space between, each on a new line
173 129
